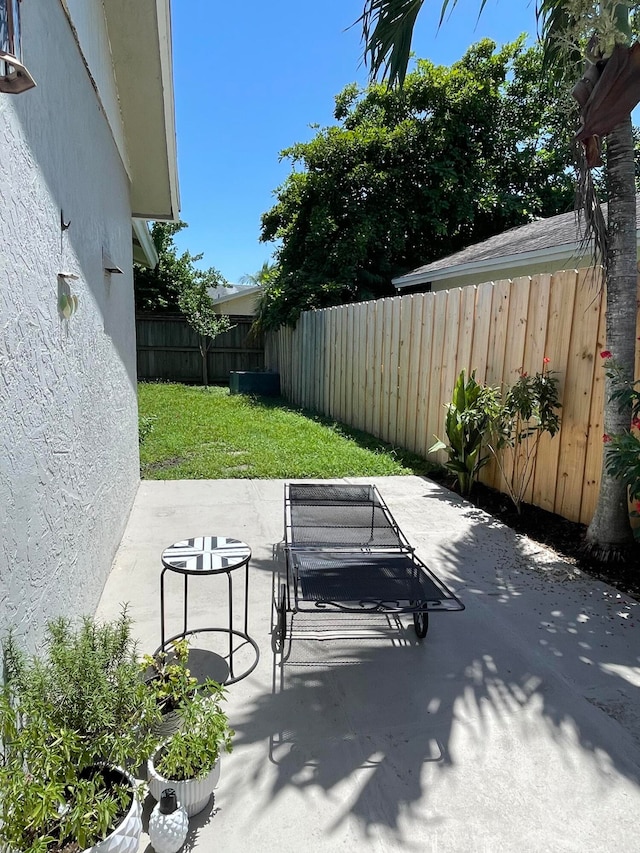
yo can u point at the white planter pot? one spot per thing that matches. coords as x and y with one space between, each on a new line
170 724
126 837
193 794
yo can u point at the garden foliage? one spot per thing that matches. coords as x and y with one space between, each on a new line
623 449
508 428
529 409
406 177
192 751
64 716
468 419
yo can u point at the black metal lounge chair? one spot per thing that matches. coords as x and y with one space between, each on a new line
345 552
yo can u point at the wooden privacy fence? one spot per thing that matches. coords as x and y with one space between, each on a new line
167 348
388 367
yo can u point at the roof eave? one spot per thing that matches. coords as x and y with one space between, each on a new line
246 291
565 251
140 36
147 255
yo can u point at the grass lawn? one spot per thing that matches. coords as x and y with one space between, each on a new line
206 433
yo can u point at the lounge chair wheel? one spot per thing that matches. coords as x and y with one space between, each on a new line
421 624
281 627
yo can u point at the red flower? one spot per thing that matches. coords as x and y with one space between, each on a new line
546 360
523 375
606 438
638 502
636 422
605 354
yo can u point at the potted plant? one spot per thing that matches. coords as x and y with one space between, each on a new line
169 679
53 799
70 721
189 760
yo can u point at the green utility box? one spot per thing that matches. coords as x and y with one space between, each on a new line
264 384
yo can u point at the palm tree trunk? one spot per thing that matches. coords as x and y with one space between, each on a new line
610 530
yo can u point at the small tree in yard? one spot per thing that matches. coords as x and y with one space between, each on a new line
529 410
197 306
176 284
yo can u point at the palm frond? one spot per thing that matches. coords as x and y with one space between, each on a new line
387 30
591 221
561 57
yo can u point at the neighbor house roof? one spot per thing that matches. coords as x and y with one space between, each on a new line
557 238
235 292
235 300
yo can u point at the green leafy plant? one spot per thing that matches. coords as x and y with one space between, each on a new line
67 719
88 681
146 425
529 410
623 450
168 677
469 417
52 798
193 751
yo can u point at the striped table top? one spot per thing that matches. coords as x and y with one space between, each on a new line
206 554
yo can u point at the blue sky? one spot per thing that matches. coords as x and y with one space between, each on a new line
248 85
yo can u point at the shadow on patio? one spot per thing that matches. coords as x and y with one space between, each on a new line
512 726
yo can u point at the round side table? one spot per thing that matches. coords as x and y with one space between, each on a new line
209 555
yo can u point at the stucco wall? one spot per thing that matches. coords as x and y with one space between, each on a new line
68 414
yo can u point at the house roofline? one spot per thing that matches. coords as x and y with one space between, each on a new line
140 40
145 241
166 63
246 291
565 251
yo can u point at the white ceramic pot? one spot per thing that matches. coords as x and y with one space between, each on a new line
170 723
193 794
126 837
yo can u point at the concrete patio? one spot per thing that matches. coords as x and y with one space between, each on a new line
514 726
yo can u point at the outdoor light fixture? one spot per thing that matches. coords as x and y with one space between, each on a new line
109 266
14 77
67 301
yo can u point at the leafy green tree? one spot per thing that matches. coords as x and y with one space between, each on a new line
266 277
587 46
177 286
405 177
197 306
157 290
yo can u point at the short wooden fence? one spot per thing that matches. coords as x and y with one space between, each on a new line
388 367
167 349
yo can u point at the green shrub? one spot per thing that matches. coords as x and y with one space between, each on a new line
67 718
528 411
623 450
469 417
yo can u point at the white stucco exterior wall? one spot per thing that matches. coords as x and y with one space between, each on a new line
69 466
